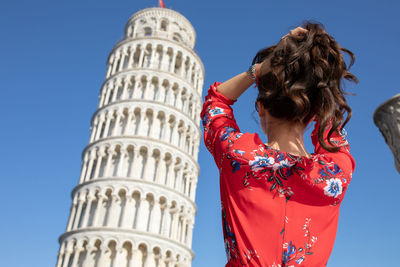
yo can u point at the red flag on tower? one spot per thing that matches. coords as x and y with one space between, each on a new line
161 2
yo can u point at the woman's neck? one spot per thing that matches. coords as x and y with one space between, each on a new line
287 137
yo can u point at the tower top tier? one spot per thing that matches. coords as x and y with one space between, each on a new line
161 23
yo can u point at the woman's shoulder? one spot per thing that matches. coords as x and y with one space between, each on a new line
248 148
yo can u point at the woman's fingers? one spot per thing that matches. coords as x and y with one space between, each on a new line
296 32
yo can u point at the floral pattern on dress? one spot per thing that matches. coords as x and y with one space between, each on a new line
231 246
293 254
245 163
268 164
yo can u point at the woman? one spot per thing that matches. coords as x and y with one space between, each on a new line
280 204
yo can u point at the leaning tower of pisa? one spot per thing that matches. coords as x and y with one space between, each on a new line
134 205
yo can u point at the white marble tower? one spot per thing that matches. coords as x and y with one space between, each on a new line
134 205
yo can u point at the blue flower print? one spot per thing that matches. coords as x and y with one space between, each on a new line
204 120
239 135
259 163
326 172
298 254
300 260
216 111
238 151
211 113
343 132
235 165
335 170
229 237
227 250
280 157
228 130
287 253
333 187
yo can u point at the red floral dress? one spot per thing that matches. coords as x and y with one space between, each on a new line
278 209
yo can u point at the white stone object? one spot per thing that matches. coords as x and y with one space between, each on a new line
134 204
387 118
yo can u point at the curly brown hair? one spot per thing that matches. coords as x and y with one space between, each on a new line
305 80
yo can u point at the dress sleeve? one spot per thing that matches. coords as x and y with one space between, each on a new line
220 127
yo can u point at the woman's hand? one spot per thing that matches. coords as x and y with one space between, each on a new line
299 31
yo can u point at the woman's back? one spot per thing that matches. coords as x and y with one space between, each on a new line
278 209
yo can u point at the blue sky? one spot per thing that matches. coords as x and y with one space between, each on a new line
53 57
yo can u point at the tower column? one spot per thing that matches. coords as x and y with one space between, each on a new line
150 261
115 63
116 129
93 130
144 213
128 127
77 250
81 201
131 54
153 56
90 199
190 234
140 64
100 155
149 171
164 59
156 217
173 61
108 92
92 157
102 258
100 201
190 71
72 213
183 228
60 255
117 85
142 122
166 223
187 181
113 215
109 68
183 138
110 153
98 129
174 227
127 83
108 121
83 169
152 128
135 164
121 64
118 255
67 256
160 177
128 212
122 159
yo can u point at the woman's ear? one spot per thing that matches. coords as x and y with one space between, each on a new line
260 108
